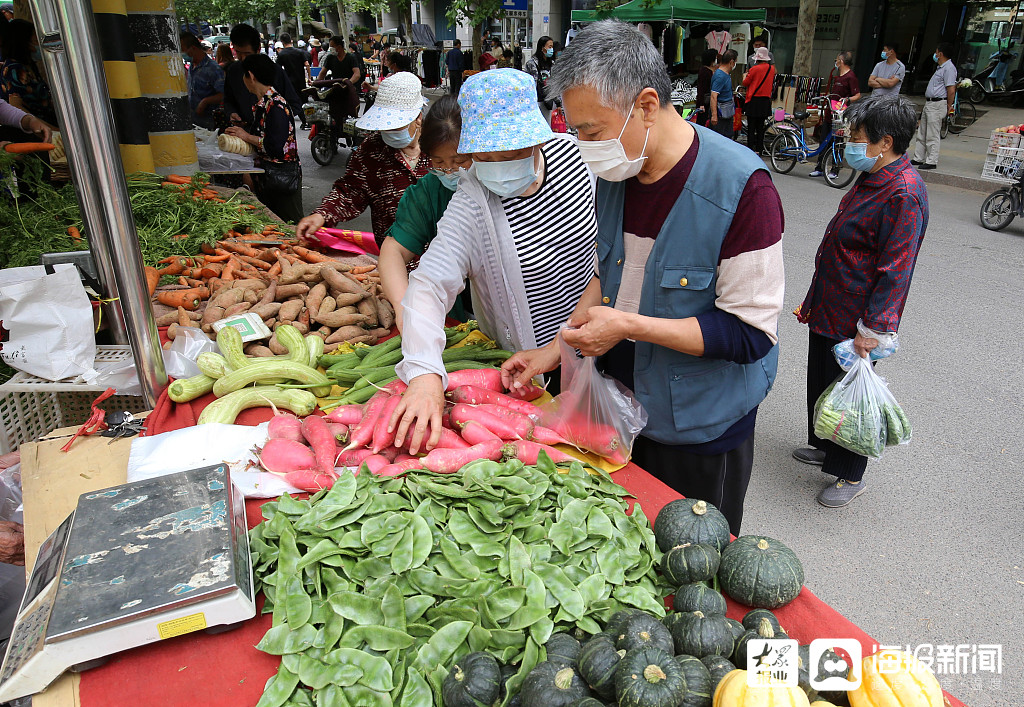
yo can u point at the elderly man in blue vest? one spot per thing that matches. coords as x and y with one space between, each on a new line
684 306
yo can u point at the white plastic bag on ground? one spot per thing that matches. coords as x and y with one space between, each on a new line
46 325
179 362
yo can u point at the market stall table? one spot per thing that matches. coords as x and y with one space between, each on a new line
225 669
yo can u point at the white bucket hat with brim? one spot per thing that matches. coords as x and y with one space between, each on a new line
399 102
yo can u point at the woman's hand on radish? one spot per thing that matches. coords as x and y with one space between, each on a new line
521 367
418 416
597 330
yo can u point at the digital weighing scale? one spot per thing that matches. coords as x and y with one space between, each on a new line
133 564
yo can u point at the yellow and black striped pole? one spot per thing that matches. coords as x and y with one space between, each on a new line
153 27
123 83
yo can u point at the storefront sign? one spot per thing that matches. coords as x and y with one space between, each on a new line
515 8
829 23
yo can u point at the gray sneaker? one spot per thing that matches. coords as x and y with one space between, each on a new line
840 493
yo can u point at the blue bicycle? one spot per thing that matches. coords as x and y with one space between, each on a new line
791 146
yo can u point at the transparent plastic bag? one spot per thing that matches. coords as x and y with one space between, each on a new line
858 413
179 362
593 412
845 354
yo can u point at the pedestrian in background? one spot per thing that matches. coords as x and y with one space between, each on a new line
863 268
723 105
887 76
205 80
455 61
295 63
708 62
844 84
758 82
757 44
539 67
238 101
938 97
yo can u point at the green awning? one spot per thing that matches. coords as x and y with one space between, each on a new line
679 10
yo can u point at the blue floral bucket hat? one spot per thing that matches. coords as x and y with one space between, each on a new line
399 102
499 112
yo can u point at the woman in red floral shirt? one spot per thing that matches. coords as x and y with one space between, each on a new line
272 133
863 268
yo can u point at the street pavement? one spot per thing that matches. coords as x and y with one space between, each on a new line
920 557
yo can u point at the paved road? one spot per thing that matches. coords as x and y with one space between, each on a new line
931 553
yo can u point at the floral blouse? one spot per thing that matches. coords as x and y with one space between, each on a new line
274 124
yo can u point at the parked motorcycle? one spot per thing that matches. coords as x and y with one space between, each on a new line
983 88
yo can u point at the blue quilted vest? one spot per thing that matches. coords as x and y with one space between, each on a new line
689 399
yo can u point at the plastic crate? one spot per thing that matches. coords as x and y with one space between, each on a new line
999 140
32 407
1005 166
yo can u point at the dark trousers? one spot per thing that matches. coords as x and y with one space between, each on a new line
724 127
822 370
719 479
454 83
758 110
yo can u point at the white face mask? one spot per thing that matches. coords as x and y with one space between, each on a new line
608 159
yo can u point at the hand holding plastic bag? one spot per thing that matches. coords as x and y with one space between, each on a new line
593 412
845 353
858 413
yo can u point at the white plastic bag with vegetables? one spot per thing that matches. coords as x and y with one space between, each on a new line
593 412
46 325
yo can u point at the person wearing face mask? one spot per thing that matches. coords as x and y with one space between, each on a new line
938 98
22 81
844 84
383 166
887 76
205 82
521 227
684 306
862 269
539 67
424 203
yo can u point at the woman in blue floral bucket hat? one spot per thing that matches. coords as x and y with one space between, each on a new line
521 227
385 164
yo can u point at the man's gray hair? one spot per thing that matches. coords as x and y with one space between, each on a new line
891 115
614 59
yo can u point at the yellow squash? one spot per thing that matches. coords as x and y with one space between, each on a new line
733 691
896 679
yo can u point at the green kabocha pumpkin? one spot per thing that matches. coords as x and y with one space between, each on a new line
737 630
699 635
507 671
614 624
698 682
587 702
649 677
698 596
474 681
688 520
760 571
597 662
562 648
764 630
718 667
688 563
752 619
553 685
644 631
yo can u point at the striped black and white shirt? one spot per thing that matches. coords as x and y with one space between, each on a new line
554 231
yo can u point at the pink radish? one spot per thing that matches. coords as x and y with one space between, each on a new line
528 392
461 414
375 462
381 436
449 440
601 439
522 424
399 468
475 433
396 387
338 431
308 480
472 395
352 457
488 378
448 461
314 429
284 425
527 452
346 414
403 457
546 435
282 456
390 453
362 434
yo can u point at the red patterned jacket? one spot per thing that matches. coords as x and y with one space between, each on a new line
866 259
376 178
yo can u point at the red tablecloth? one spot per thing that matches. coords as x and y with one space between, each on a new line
226 670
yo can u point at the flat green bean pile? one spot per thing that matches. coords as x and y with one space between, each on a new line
378 585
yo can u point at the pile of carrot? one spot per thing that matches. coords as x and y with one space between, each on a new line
284 284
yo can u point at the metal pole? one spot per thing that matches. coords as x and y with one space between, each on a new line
72 54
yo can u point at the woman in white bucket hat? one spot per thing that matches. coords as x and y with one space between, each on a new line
384 165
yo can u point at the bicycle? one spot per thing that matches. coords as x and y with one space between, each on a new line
964 114
791 147
1001 206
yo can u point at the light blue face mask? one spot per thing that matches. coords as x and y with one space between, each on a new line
935 58
449 180
550 52
506 179
855 154
884 56
397 138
